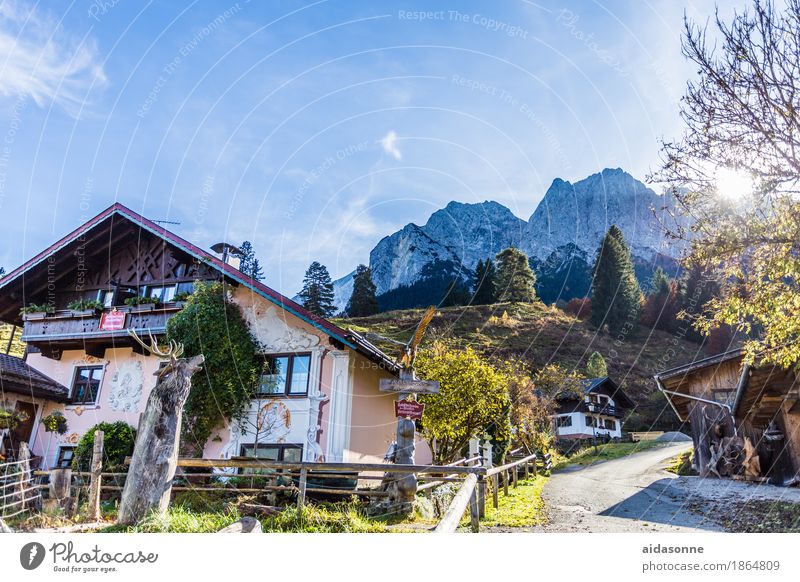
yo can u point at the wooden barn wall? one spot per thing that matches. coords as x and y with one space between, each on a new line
722 377
791 426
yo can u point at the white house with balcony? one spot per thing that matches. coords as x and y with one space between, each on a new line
598 413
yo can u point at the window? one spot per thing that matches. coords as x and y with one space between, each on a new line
610 424
162 293
590 421
187 288
65 455
285 375
563 421
105 297
724 396
86 384
278 452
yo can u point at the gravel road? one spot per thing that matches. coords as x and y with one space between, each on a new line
630 494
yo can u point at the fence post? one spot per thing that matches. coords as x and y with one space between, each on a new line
495 490
527 469
474 512
535 460
24 475
96 478
505 482
481 487
301 495
486 452
514 475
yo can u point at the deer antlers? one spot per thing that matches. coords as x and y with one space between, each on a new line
173 352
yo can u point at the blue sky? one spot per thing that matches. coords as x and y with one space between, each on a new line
316 128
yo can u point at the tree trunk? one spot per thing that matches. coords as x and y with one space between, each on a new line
149 481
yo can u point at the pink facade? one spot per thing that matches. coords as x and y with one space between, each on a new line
328 406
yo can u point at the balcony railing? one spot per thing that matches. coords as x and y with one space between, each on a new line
602 409
69 324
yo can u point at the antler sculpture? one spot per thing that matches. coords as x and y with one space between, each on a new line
173 351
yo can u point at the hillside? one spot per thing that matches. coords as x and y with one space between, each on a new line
541 334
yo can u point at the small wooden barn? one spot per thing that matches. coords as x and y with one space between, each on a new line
745 420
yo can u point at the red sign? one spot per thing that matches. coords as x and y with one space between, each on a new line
408 409
112 321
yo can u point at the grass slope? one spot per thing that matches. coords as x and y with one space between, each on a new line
541 334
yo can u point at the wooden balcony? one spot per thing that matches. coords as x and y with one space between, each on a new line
66 329
602 409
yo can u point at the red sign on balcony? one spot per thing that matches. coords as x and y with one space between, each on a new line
112 321
408 409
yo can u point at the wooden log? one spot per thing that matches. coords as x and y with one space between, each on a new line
244 525
457 506
495 490
96 478
535 460
250 463
505 482
481 496
155 455
60 483
515 476
254 509
526 470
474 511
301 494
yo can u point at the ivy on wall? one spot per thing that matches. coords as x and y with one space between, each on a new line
213 325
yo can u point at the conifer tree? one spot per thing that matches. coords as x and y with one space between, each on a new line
484 283
596 367
249 265
514 280
660 308
317 292
616 296
363 301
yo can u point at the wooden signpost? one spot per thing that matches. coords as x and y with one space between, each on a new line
409 385
410 409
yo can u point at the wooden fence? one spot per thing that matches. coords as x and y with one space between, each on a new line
18 493
369 480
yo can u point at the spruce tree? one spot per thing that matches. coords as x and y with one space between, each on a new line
363 301
596 367
484 283
616 296
249 265
317 292
514 280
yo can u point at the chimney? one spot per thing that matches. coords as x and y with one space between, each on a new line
229 254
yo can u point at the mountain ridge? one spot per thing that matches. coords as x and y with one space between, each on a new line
560 237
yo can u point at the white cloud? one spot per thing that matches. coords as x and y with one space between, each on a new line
43 62
389 143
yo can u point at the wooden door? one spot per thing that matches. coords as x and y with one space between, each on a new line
23 431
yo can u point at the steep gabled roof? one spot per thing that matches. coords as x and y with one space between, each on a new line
602 384
347 338
18 377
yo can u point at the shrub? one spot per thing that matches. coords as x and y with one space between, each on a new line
37 308
140 300
85 304
118 440
580 307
